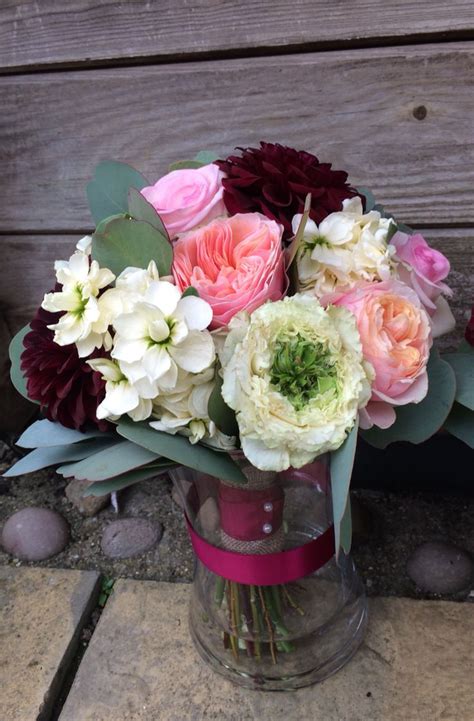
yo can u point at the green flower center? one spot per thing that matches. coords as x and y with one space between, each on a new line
310 244
302 369
81 301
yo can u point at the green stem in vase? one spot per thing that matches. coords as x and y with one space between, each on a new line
220 590
256 622
273 605
269 625
233 636
291 601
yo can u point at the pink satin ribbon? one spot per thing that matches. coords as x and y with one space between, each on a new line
269 569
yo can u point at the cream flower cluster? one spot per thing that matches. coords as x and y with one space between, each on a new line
295 375
160 347
346 247
86 317
162 356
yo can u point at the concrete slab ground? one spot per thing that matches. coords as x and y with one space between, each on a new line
42 612
417 664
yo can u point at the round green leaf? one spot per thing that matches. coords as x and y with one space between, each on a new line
219 411
342 462
124 243
463 367
15 350
107 193
417 422
460 423
140 209
179 449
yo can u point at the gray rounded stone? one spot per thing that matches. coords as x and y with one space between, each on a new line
439 567
130 537
34 534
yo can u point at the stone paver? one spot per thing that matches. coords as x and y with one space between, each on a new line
42 611
416 664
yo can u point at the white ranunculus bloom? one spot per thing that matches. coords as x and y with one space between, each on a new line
295 376
162 332
346 247
121 396
81 322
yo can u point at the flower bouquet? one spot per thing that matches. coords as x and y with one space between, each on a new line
237 324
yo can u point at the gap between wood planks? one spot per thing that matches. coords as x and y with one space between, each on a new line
89 231
445 37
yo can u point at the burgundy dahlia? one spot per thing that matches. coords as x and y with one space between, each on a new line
67 389
275 180
469 334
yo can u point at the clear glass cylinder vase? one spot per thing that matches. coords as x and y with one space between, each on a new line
280 636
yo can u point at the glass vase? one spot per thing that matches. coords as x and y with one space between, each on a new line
270 633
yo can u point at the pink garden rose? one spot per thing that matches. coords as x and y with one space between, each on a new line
423 269
396 339
185 199
234 263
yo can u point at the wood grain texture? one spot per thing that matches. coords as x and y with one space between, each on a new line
355 108
83 32
28 273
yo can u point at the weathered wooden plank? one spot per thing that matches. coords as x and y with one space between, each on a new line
28 273
398 119
81 32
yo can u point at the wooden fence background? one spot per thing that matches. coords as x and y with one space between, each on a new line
382 89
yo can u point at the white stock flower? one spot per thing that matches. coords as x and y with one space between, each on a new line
295 375
185 410
85 244
121 396
160 333
81 322
346 247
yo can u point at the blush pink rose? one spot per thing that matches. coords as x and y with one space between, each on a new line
423 269
396 339
234 263
185 199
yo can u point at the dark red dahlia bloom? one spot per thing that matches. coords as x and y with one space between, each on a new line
469 334
67 389
275 180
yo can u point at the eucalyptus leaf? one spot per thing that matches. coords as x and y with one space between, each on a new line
107 193
416 422
179 449
369 198
392 229
52 455
465 347
48 433
460 423
405 228
103 223
189 291
140 209
463 366
346 526
342 462
117 459
124 243
185 165
101 488
206 156
219 411
15 350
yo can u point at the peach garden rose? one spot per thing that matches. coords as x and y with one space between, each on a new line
395 331
234 263
187 198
